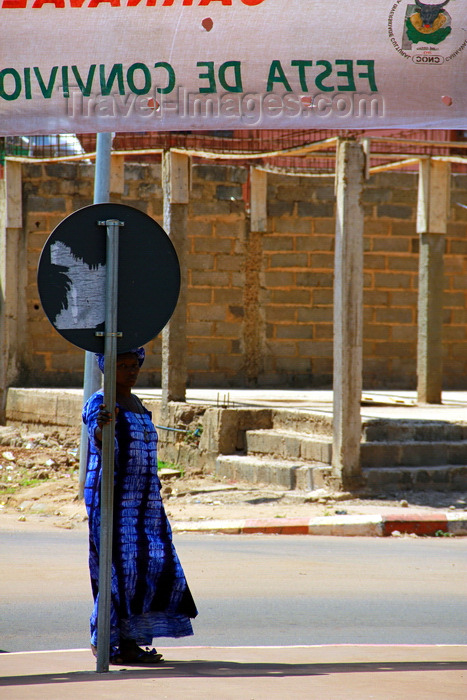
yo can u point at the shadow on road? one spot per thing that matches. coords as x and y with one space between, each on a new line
229 669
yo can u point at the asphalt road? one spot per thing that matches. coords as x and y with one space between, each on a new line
253 590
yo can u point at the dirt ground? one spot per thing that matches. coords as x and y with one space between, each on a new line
39 483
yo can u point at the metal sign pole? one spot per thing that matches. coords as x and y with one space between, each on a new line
108 448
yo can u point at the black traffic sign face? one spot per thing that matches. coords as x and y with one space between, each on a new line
71 277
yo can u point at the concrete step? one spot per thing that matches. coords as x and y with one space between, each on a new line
289 444
306 477
413 454
309 423
279 472
440 478
373 429
413 431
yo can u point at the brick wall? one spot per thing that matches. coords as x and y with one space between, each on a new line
51 192
216 276
260 305
455 318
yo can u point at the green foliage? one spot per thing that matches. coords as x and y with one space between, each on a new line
23 483
442 533
168 465
193 437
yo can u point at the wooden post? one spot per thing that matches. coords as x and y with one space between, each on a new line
432 215
348 314
117 174
3 336
259 204
253 321
12 282
176 188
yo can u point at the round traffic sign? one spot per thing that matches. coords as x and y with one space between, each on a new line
72 270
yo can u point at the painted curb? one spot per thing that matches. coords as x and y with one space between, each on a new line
424 524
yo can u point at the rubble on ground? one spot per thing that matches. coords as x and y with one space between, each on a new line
39 478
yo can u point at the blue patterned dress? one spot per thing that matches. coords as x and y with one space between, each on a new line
149 593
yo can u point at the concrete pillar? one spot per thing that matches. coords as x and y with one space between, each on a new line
432 216
12 279
176 188
253 321
348 314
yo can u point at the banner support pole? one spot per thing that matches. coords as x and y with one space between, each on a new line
92 374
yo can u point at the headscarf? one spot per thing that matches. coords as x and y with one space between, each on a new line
139 352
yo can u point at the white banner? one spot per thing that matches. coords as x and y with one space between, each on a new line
73 66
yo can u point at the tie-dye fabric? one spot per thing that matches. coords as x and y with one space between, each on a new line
149 593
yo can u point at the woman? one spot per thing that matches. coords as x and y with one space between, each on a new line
149 593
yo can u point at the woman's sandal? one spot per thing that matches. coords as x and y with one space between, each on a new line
130 653
133 654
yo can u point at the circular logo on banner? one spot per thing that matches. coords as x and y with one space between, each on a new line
428 33
72 277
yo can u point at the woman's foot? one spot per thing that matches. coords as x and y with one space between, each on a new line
130 653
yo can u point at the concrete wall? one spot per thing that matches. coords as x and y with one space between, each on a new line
260 306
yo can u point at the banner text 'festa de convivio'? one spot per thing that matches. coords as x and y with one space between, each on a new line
143 65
